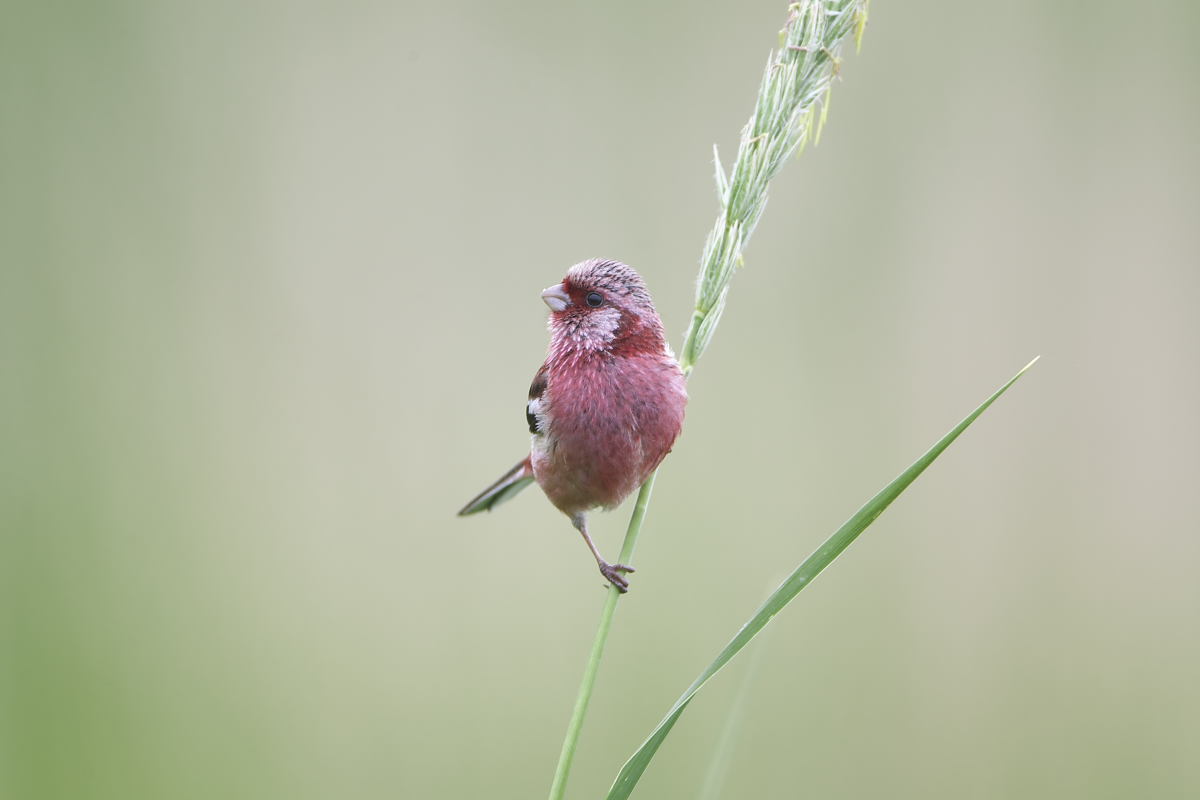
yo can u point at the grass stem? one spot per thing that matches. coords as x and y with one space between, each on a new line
584 697
795 86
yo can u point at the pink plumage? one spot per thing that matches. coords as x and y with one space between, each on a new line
607 405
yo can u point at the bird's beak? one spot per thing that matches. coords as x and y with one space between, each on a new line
556 297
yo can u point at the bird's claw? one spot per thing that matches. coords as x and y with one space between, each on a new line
613 574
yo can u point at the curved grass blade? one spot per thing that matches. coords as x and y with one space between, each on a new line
631 773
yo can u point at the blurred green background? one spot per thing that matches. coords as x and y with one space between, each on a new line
269 280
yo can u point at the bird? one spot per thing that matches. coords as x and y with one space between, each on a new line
605 408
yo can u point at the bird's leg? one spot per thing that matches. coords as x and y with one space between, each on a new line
613 573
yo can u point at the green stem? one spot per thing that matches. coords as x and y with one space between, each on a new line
687 357
797 77
593 664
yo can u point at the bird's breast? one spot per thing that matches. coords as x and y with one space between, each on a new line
608 425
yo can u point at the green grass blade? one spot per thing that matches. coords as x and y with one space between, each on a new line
631 773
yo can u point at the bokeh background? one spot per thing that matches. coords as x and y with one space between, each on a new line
269 307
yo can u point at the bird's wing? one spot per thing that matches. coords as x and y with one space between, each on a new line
535 413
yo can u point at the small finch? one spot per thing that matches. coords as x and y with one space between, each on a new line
607 405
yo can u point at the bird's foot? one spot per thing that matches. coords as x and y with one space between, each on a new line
613 574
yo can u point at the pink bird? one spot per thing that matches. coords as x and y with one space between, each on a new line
607 405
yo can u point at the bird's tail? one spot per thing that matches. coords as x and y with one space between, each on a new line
509 484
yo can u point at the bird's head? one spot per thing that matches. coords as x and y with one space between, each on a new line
603 305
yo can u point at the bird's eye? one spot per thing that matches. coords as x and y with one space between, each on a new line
594 299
